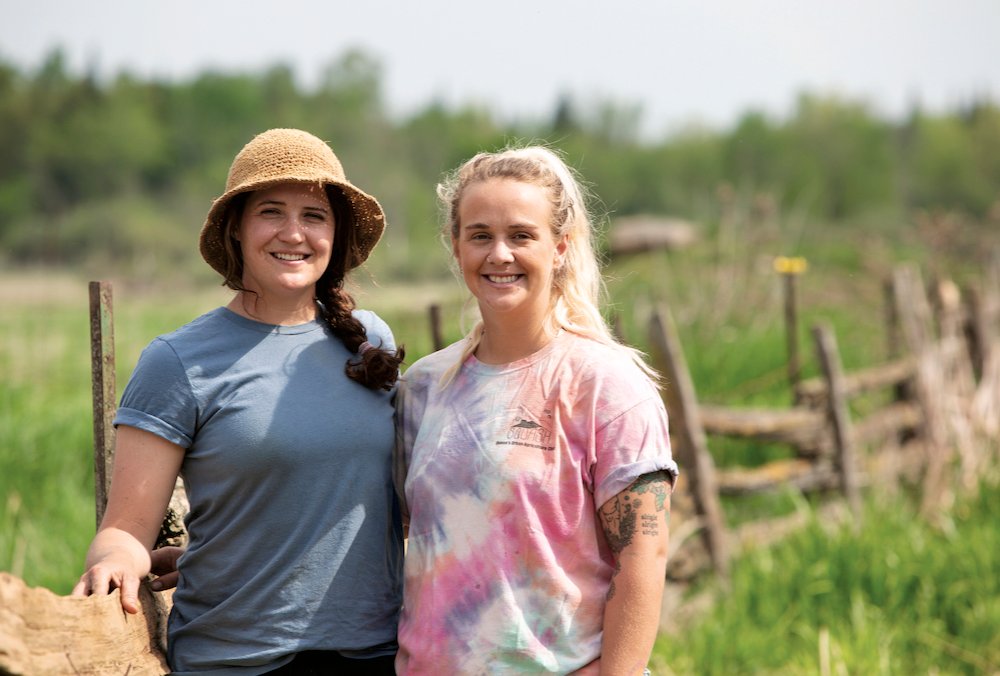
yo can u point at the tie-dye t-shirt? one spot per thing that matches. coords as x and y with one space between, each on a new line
507 568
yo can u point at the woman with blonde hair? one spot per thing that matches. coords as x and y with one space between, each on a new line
532 456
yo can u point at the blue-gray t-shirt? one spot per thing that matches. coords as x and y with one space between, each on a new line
295 540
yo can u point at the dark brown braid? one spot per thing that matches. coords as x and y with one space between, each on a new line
375 368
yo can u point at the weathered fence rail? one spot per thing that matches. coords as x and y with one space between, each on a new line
942 394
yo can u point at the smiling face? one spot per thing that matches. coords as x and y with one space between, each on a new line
506 250
286 237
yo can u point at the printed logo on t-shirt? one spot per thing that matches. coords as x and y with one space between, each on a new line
528 433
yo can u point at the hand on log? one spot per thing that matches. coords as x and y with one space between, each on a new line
113 568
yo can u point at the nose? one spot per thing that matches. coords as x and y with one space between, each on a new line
291 230
500 253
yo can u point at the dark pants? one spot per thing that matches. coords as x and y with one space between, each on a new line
332 663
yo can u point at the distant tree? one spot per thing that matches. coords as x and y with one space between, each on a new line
15 190
564 118
93 168
944 171
839 155
752 153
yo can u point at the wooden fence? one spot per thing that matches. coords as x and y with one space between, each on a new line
939 427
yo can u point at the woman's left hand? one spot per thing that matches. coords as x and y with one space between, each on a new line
163 564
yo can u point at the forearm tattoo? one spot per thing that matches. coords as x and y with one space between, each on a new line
622 520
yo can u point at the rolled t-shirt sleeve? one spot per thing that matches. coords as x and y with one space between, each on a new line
633 443
158 397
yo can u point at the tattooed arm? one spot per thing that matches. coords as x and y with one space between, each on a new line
636 525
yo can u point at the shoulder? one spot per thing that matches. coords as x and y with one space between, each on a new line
211 331
376 329
604 371
430 368
210 323
608 361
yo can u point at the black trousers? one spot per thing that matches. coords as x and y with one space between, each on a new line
332 663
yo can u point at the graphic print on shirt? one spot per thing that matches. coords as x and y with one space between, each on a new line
525 431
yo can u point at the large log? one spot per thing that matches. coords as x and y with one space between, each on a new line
638 234
42 633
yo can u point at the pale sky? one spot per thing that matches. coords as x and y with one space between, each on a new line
681 61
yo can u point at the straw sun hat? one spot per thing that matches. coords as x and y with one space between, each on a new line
282 156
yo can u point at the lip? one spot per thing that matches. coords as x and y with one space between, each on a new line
290 256
504 279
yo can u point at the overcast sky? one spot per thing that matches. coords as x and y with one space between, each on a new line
682 61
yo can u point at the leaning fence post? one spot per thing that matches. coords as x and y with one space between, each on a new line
102 369
840 419
692 451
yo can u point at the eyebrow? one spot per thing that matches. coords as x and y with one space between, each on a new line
513 226
320 207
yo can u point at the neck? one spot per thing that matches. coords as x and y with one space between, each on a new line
282 312
504 342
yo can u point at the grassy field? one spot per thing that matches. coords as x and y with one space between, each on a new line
897 597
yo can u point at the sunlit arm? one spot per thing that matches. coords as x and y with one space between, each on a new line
145 471
636 525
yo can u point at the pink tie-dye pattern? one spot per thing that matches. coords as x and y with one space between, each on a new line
506 567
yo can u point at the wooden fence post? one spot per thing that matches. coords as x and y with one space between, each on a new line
986 401
437 339
903 391
102 367
916 321
844 458
790 269
692 451
976 331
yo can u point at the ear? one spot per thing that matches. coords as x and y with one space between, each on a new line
454 250
561 246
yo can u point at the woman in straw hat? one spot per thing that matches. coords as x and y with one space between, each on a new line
533 455
276 410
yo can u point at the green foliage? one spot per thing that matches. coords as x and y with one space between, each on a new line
73 143
954 159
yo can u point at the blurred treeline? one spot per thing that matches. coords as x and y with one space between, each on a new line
117 174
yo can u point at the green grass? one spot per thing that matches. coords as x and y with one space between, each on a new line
46 433
895 597
46 477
